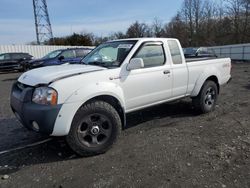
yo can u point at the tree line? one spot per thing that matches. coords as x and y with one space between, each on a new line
197 23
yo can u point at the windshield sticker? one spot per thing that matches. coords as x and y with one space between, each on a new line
125 46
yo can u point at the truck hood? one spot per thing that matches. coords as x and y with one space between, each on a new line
46 75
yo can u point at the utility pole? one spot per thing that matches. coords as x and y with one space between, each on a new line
42 21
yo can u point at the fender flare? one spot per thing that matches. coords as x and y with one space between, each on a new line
80 97
208 72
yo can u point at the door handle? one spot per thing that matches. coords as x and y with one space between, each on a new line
166 72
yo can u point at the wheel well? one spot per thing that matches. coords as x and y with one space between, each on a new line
215 80
115 103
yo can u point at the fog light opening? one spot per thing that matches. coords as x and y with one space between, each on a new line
35 126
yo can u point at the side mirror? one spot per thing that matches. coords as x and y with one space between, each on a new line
61 58
135 63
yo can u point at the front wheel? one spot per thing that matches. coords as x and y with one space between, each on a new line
94 128
206 100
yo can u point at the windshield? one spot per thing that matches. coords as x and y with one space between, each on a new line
52 54
190 50
5 57
110 54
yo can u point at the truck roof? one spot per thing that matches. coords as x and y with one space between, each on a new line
143 39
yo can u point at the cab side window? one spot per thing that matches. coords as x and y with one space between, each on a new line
2 57
6 57
27 56
175 52
152 55
17 56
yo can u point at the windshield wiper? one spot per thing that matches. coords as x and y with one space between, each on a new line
82 62
97 63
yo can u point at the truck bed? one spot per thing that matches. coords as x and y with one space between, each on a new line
207 66
193 59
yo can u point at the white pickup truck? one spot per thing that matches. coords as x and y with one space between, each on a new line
88 102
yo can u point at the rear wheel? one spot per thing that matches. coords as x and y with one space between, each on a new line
206 100
94 129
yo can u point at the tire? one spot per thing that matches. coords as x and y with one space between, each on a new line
205 102
21 70
94 129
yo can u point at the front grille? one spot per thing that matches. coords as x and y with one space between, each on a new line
21 86
22 92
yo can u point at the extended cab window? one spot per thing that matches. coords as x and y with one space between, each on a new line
152 55
175 52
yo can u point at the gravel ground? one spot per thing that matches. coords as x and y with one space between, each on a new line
165 146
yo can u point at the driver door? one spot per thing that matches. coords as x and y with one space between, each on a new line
149 85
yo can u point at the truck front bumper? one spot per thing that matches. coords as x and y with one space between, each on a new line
40 118
230 79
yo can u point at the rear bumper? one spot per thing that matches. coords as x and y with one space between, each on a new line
10 67
40 118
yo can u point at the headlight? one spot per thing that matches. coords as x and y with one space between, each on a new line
45 96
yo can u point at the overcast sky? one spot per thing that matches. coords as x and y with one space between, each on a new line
101 17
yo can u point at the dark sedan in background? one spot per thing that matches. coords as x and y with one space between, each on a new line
14 61
201 52
59 57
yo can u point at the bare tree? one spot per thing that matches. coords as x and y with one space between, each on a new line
234 11
177 29
157 28
192 14
117 35
138 30
197 13
188 17
246 21
208 23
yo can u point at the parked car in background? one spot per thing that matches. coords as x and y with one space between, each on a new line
59 57
198 52
13 61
